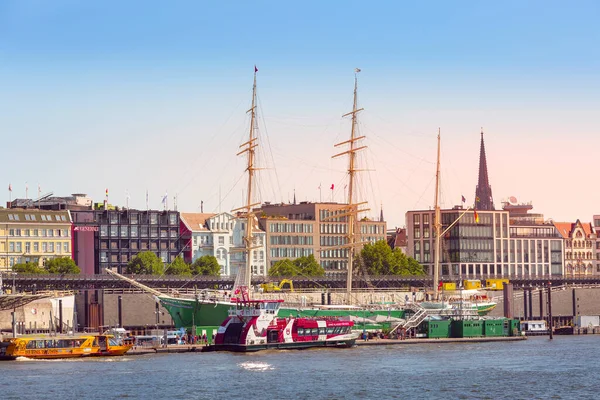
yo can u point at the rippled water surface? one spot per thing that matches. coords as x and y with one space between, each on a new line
564 368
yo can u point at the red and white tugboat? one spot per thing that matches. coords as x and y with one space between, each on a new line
253 325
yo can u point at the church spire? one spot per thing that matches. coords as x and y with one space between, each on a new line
381 215
483 192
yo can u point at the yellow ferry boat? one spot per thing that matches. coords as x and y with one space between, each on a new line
65 347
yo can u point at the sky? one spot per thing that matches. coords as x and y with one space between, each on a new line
152 96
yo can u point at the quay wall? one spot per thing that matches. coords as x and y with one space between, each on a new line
140 310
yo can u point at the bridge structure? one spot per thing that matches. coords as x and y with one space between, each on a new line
33 283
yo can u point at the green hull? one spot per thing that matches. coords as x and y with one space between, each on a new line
189 312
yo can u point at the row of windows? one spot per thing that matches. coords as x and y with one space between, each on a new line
34 247
334 264
32 217
135 245
135 231
533 232
294 240
338 330
329 213
294 252
333 228
135 218
40 232
371 229
579 243
290 227
333 240
334 253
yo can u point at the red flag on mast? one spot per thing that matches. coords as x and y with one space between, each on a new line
255 69
332 186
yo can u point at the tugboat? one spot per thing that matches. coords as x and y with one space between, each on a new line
253 325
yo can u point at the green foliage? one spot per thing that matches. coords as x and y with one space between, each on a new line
206 265
29 268
379 259
308 266
283 267
304 266
179 267
145 263
61 265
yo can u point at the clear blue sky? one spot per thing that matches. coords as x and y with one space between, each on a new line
152 95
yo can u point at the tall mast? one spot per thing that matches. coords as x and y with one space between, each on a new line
352 205
437 224
249 148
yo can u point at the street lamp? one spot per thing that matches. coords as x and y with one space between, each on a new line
14 290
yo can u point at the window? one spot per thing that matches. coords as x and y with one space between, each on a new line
221 240
66 247
36 232
11 247
11 232
114 231
36 247
172 219
51 232
11 217
50 247
27 247
44 247
57 217
134 231
19 247
153 218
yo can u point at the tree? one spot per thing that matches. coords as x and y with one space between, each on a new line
178 267
206 265
145 263
379 259
29 268
305 266
61 265
308 266
283 267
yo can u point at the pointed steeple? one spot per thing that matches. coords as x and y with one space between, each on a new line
381 215
294 195
483 192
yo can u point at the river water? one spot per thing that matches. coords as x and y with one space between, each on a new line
537 368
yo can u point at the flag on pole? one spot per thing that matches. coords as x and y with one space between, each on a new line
146 199
476 216
255 69
319 186
463 199
164 199
9 187
332 186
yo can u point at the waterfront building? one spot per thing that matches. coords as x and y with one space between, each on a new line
580 247
496 245
396 239
320 229
32 235
222 236
484 241
120 234
597 244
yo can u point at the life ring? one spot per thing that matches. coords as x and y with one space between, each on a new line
287 331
